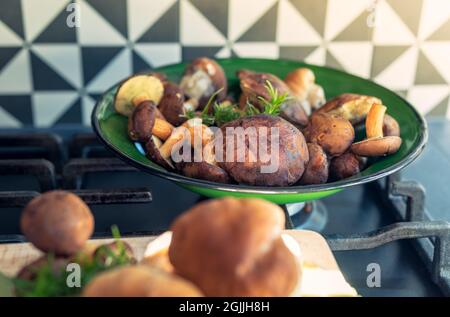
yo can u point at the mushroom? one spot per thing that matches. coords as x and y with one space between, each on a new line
202 78
135 90
245 166
139 281
333 133
301 82
58 222
375 143
153 150
57 265
145 122
390 126
352 107
173 104
253 86
346 165
316 171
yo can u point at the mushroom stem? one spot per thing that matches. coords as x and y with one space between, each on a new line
162 129
177 135
374 121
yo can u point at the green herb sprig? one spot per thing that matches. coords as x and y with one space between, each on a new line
49 283
273 106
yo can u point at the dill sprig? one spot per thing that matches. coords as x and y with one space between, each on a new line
273 106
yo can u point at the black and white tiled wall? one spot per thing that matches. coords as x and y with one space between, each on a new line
51 73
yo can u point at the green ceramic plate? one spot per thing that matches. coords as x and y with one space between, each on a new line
111 128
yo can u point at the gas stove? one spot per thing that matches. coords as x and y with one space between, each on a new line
397 226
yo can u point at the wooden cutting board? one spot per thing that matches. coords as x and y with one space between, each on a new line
314 249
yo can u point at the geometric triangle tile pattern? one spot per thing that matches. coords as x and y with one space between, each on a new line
51 72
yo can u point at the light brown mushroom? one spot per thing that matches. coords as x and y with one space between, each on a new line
202 78
352 107
301 82
135 90
375 143
333 133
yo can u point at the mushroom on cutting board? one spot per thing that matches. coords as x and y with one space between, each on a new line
145 122
58 222
201 79
375 143
135 90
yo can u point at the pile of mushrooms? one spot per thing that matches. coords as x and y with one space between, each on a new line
317 137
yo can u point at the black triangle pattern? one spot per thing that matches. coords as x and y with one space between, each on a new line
72 114
7 54
264 29
215 11
19 106
11 15
139 64
45 78
58 31
190 52
165 29
95 59
115 12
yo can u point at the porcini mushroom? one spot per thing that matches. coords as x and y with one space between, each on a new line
333 133
390 126
135 90
346 165
285 146
301 82
58 222
352 107
145 122
316 171
375 143
254 87
173 104
202 78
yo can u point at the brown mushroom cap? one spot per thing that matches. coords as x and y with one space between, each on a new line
204 67
390 126
139 281
346 165
352 107
141 121
172 104
333 133
289 163
316 171
253 85
233 247
206 171
58 222
377 146
152 149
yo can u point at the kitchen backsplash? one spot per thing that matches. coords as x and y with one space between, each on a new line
56 57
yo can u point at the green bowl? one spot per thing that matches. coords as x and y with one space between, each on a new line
111 128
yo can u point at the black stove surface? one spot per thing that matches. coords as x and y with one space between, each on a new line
355 210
